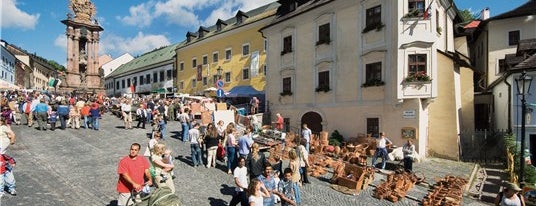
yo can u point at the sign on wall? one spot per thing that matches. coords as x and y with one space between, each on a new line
409 114
254 67
199 72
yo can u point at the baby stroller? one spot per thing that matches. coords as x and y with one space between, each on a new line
161 196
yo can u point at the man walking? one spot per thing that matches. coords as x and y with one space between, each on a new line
381 149
132 169
306 133
41 110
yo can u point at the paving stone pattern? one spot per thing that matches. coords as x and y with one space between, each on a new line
79 167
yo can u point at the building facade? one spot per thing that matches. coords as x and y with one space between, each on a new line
35 70
232 50
7 68
113 64
152 72
361 67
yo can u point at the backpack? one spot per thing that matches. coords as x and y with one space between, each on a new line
161 196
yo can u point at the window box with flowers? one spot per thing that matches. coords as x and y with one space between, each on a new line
323 88
285 93
377 26
373 83
418 77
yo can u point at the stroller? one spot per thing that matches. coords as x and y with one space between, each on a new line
161 196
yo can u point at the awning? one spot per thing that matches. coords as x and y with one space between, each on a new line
243 91
160 91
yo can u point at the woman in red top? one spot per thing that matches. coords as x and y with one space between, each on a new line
279 122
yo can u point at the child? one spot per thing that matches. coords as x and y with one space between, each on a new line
53 117
6 170
257 192
168 159
285 189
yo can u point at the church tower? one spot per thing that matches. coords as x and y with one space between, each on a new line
82 32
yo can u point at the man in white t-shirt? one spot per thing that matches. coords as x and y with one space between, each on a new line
381 149
241 181
306 133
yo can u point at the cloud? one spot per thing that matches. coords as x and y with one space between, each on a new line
141 43
61 42
140 15
13 17
188 13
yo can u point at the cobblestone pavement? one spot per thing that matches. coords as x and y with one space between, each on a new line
79 167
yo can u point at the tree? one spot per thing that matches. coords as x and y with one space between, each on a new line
467 15
57 66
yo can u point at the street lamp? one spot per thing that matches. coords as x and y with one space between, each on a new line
523 88
219 72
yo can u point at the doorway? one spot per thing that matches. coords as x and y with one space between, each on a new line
313 121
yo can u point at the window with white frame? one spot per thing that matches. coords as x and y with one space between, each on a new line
417 7
141 80
205 59
287 85
416 64
245 73
194 83
181 66
205 81
148 78
323 80
194 63
373 73
228 54
215 57
323 34
181 85
168 74
513 37
245 49
374 16
287 44
227 77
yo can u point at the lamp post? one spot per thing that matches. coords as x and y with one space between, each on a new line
219 72
523 88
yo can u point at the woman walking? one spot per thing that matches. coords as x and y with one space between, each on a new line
211 141
231 145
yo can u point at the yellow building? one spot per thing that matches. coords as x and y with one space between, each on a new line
233 50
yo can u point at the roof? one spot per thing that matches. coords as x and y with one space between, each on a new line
529 63
150 58
254 15
304 6
472 24
526 9
526 46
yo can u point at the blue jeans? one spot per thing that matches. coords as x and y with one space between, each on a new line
95 123
231 158
86 121
149 118
9 181
297 195
196 154
380 152
162 130
63 120
185 129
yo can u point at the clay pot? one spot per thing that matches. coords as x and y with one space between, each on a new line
337 150
329 148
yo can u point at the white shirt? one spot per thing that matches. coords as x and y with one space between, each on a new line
510 202
256 199
241 173
382 142
193 134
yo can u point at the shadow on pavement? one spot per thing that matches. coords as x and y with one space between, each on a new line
216 202
227 190
112 203
185 159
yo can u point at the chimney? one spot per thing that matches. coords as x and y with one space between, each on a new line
484 14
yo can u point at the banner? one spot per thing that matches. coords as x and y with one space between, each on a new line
254 67
199 72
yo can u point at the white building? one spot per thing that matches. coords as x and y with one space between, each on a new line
110 66
368 66
152 72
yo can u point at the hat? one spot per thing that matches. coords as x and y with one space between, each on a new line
511 186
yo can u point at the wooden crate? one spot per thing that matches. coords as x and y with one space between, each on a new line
357 179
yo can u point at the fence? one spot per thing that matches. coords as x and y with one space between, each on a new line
483 146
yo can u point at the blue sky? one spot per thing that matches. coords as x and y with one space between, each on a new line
139 26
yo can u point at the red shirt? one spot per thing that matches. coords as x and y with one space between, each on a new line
135 168
279 125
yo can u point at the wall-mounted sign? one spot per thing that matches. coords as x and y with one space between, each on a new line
409 114
409 132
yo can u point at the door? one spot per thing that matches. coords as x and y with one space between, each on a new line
313 121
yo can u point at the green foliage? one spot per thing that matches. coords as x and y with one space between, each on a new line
336 138
57 66
512 146
467 16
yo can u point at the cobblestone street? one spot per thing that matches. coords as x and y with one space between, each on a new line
78 167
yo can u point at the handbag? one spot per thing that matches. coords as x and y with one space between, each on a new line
220 152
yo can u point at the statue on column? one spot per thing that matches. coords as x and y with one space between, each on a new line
83 75
83 57
101 75
84 10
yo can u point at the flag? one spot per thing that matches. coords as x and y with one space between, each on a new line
131 88
428 12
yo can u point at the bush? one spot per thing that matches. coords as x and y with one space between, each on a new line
336 138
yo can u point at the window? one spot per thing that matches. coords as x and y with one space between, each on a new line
374 16
181 66
265 44
245 73
416 6
194 83
194 63
148 78
123 83
287 85
205 81
162 76
416 63
128 83
205 60
287 45
513 37
373 126
215 78
373 73
155 77
215 57
227 76
168 74
117 85
228 54
181 85
135 81
323 34
245 49
264 69
323 80
141 80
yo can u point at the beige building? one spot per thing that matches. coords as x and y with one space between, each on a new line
361 67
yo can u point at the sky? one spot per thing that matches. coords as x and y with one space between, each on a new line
139 26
